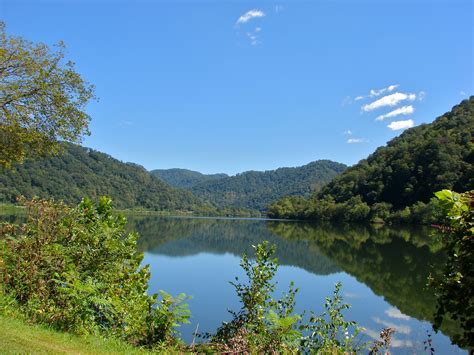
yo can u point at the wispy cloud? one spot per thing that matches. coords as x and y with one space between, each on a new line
347 133
251 34
346 101
402 329
356 140
462 93
279 8
393 312
405 110
389 100
125 123
421 95
249 15
397 125
252 37
374 93
377 92
396 343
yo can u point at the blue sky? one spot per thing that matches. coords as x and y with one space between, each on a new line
230 86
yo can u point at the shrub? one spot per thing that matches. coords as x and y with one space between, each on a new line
455 290
77 270
263 324
268 325
330 333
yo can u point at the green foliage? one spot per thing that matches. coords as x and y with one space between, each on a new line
382 346
183 178
397 181
42 100
352 210
330 332
256 189
455 290
79 172
268 325
263 324
392 262
77 270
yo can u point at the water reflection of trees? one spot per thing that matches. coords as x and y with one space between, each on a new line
394 263
186 236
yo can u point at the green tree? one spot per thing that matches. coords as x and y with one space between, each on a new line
42 99
77 270
455 291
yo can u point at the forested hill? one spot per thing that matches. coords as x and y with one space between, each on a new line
421 161
405 172
79 172
183 178
255 189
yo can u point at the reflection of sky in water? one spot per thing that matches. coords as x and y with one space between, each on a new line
200 256
205 277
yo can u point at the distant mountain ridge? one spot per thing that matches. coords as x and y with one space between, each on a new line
257 189
398 181
82 172
184 178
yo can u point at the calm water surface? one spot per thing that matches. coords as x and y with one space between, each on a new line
383 271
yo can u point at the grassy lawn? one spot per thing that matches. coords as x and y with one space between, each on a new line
16 337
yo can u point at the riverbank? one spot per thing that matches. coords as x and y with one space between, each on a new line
18 337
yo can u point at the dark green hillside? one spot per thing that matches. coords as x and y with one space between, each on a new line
413 166
406 172
255 189
183 178
80 172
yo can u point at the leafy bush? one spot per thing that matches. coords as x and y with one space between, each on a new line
330 332
77 270
268 325
455 291
263 324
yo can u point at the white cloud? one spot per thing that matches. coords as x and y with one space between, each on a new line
258 29
377 92
396 343
421 95
356 140
399 343
462 93
397 125
402 329
348 132
125 123
279 8
252 38
249 15
346 101
389 100
351 295
393 312
405 110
